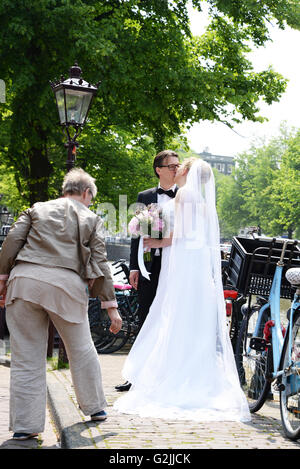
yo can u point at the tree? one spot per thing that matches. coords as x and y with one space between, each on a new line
285 194
264 187
155 76
232 215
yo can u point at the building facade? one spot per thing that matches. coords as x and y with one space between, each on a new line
224 164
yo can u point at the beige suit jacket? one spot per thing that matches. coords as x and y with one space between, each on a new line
61 233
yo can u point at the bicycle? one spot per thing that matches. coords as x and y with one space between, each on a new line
268 355
106 342
234 302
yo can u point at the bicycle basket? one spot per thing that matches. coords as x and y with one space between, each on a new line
252 265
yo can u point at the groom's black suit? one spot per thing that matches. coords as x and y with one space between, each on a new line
146 288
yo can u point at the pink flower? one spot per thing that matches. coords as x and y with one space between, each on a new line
158 225
147 222
134 227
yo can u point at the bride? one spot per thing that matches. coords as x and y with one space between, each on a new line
181 365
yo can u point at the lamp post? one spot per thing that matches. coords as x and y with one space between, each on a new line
4 215
74 97
4 229
4 218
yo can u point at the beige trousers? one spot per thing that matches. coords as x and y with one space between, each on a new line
28 326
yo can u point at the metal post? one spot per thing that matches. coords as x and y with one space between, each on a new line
2 322
50 340
62 354
71 155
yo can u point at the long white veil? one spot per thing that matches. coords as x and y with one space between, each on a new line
195 266
197 237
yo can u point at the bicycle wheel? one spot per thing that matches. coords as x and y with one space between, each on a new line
290 383
104 340
131 306
107 342
254 360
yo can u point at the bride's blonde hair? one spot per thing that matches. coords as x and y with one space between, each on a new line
205 167
187 163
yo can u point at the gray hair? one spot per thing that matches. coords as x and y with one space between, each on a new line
77 181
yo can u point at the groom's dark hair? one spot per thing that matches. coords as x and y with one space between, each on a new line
160 157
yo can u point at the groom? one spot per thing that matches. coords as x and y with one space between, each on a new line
165 166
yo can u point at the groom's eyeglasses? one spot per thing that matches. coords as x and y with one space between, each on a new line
171 167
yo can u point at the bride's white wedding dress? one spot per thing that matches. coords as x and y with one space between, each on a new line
181 365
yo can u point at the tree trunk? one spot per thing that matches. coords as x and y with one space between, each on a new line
290 232
40 171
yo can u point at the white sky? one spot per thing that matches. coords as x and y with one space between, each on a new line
283 55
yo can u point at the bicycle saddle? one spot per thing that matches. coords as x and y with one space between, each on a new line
122 286
293 276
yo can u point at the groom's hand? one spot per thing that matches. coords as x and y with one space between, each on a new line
134 278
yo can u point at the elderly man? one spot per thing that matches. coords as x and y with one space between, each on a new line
52 260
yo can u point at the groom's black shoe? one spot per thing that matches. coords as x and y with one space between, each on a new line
123 387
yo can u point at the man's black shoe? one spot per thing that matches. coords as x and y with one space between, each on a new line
123 387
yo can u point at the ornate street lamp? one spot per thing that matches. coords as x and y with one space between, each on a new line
73 98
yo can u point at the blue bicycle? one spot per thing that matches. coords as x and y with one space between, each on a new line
267 354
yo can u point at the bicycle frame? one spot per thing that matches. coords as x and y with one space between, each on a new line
295 305
274 305
277 335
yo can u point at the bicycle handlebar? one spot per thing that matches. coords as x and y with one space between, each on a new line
119 261
121 264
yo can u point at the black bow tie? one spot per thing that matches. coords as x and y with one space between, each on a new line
170 193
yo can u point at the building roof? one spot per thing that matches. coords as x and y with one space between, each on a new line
209 156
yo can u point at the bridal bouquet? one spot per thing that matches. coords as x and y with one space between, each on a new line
147 222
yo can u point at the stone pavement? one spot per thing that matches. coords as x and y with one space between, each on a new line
128 432
122 431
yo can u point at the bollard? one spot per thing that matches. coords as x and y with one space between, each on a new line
62 355
2 322
51 332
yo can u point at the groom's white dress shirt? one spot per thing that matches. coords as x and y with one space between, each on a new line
161 200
